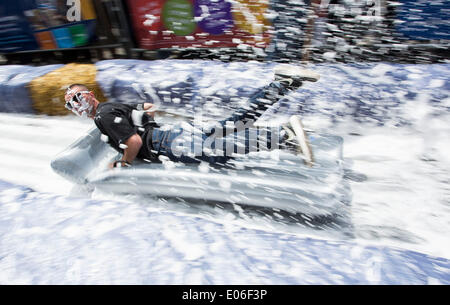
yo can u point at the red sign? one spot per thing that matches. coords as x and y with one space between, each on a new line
199 23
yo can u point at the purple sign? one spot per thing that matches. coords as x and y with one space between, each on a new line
213 16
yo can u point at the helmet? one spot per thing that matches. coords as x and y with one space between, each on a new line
77 102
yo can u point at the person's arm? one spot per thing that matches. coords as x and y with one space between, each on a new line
121 133
134 144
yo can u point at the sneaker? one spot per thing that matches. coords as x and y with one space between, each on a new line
292 77
297 140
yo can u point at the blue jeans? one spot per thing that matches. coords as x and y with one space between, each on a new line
219 143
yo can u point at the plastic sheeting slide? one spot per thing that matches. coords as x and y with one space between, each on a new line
51 239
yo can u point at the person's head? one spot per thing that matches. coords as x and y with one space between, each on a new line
80 100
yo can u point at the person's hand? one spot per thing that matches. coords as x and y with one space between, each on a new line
118 163
151 109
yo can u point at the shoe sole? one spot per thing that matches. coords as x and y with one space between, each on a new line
294 71
304 145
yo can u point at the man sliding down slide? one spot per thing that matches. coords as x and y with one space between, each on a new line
132 131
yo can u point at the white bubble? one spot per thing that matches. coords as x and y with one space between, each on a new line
104 138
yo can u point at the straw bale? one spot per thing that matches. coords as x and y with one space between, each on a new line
47 92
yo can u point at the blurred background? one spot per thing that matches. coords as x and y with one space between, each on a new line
58 31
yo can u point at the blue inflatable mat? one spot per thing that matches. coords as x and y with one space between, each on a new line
14 95
49 239
376 92
364 91
215 87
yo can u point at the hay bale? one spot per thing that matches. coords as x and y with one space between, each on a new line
47 91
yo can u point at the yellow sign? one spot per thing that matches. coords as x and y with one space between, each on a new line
249 15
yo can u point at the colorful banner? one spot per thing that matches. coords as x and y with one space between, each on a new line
199 23
15 32
46 24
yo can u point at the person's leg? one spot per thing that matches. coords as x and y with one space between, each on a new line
287 77
172 143
182 145
243 142
258 104
194 148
